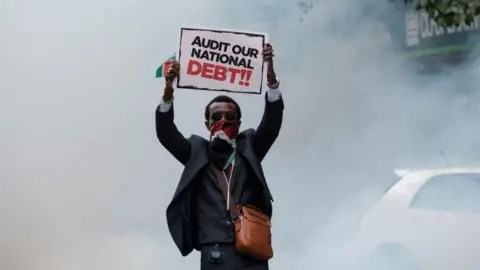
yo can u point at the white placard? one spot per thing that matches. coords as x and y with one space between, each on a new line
221 60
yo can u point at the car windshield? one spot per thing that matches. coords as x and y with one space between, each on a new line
459 192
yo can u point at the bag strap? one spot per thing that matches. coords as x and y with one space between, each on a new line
223 184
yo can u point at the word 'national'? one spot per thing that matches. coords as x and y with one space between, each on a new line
222 58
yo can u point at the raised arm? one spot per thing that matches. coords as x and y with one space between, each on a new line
167 132
269 128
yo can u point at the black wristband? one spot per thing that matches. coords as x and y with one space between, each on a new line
167 100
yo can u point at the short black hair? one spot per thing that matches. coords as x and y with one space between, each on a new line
222 98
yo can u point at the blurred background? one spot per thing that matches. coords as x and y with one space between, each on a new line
369 86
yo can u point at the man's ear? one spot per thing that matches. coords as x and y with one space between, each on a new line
206 125
238 125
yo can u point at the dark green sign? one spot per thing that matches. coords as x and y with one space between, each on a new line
418 35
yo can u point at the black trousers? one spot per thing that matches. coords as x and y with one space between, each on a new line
232 260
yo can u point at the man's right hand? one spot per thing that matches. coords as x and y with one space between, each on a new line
172 74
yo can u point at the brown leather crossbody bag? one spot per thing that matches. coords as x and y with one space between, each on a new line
253 236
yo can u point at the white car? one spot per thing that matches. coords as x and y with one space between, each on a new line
429 219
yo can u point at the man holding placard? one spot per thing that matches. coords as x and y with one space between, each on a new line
222 205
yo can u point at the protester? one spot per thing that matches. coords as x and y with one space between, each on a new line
223 199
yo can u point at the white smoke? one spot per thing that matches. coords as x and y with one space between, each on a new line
85 184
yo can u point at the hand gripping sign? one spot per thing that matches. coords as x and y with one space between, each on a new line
219 60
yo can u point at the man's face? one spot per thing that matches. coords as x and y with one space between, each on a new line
222 110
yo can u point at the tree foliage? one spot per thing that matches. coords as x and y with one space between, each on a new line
449 13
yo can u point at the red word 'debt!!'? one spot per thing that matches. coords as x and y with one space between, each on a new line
219 72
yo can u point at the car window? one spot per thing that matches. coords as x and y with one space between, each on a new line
450 192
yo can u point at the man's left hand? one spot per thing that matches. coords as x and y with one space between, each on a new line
268 58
